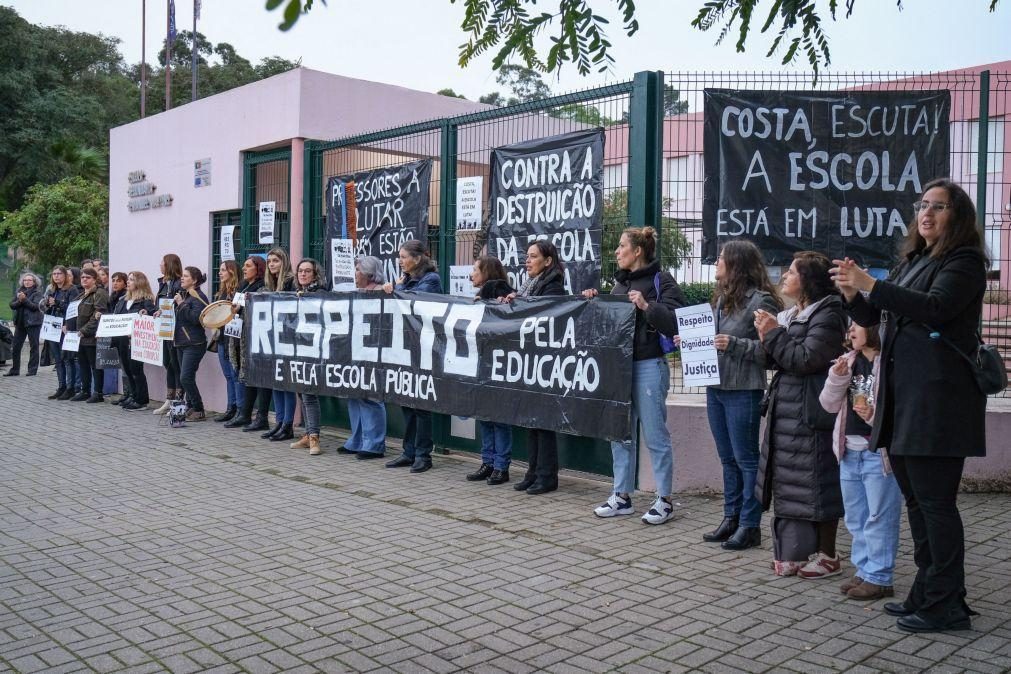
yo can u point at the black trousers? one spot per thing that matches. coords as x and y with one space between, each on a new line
134 371
90 375
258 397
170 358
32 335
930 488
542 455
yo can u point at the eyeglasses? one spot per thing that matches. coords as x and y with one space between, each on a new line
936 206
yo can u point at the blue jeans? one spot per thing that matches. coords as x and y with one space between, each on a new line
368 426
417 433
72 369
650 382
873 505
284 406
734 419
496 444
235 390
56 355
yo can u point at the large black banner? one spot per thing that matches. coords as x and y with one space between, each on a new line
551 188
391 206
562 364
835 172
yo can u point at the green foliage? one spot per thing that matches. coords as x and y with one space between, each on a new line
698 292
61 222
450 93
674 247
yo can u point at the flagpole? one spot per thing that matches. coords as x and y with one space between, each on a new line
168 55
143 58
193 56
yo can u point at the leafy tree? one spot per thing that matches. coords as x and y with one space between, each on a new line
60 222
450 93
674 247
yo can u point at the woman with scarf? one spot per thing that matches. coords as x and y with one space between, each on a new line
310 278
253 270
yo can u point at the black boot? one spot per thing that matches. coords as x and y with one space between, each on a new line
258 423
285 433
482 473
743 538
60 391
228 415
542 485
272 432
525 483
498 477
726 529
238 420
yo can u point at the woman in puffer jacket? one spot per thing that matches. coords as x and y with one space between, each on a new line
27 323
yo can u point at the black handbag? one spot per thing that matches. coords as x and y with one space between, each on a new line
987 364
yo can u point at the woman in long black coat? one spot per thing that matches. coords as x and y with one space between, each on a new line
797 470
27 323
930 413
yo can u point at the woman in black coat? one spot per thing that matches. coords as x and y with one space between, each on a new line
190 338
797 470
168 287
253 270
930 413
27 323
137 298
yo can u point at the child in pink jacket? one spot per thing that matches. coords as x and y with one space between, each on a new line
870 493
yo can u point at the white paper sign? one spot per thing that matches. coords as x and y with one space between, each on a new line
145 347
699 364
459 281
239 299
72 309
52 328
342 261
115 325
167 320
233 328
469 198
72 341
227 243
267 221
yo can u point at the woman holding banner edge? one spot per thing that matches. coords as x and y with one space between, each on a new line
60 293
171 268
280 278
656 295
138 299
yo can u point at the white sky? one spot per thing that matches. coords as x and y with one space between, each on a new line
414 43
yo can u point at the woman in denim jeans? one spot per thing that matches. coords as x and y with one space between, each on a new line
279 278
742 288
59 294
368 417
235 391
309 278
655 295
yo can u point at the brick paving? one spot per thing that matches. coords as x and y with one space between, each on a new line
129 546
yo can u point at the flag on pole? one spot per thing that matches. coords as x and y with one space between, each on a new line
171 22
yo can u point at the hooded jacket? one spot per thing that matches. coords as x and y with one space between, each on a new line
659 313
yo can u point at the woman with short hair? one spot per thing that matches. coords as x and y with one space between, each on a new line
280 278
60 293
137 299
310 278
27 323
171 268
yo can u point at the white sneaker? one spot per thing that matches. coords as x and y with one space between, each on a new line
614 506
660 512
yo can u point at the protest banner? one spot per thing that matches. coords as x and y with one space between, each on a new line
835 172
106 356
227 243
145 346
551 188
390 207
72 341
469 198
72 310
167 319
561 364
267 213
459 281
697 330
115 325
52 328
342 261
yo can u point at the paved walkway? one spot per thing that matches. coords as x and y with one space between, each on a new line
128 546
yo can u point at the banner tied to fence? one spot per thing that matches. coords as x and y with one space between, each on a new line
835 172
550 188
388 206
558 363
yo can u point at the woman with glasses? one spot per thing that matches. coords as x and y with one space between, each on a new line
60 293
930 413
310 278
280 278
27 323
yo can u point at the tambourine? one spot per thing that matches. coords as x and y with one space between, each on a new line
217 314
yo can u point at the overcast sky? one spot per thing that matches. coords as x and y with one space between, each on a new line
414 43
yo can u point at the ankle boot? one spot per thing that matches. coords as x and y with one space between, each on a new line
285 433
60 391
498 477
314 448
726 529
238 420
272 432
258 423
482 473
743 538
228 415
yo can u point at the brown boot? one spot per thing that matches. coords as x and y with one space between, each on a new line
303 443
850 584
869 592
314 447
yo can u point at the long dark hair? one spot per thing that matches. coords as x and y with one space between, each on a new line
491 268
547 249
197 276
228 288
815 281
961 230
744 269
173 267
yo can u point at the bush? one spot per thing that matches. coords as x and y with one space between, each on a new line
698 293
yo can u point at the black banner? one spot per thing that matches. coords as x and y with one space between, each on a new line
562 364
835 172
391 205
106 356
551 188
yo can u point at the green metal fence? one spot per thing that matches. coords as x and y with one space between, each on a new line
266 179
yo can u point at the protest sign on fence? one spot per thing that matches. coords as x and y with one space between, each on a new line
459 281
697 330
831 171
561 364
52 328
115 325
72 341
267 213
144 343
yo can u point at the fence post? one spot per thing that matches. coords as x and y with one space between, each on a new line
447 200
645 156
309 199
982 149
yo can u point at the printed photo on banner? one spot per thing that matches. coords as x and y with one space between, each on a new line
380 209
233 328
72 341
167 319
459 281
561 364
227 243
144 343
550 188
115 325
836 172
72 310
266 223
469 199
342 261
52 328
697 330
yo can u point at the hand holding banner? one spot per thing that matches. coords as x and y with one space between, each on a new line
115 325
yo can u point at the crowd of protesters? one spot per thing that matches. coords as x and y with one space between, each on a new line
858 413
